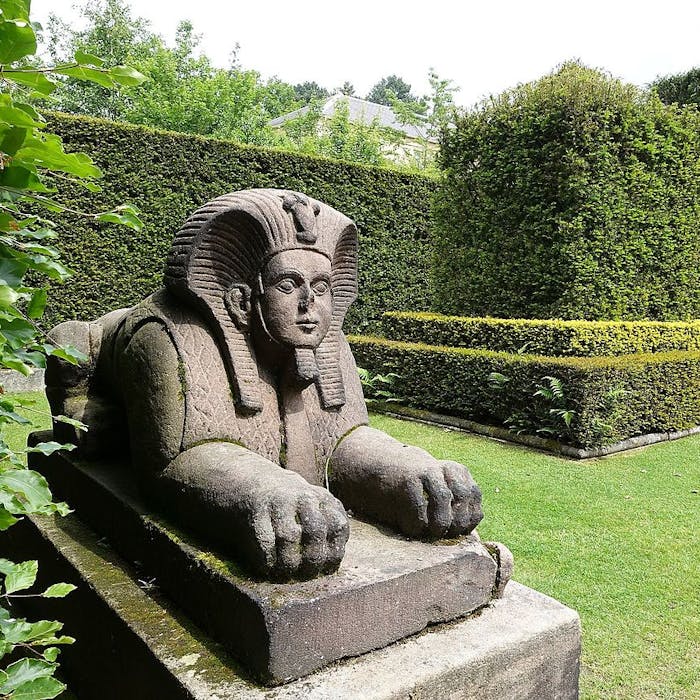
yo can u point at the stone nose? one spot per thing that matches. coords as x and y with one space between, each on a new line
306 296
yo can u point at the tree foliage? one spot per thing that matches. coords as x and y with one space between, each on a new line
389 89
337 137
430 115
681 88
184 91
309 92
33 166
575 196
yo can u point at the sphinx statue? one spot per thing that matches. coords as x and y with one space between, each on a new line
241 399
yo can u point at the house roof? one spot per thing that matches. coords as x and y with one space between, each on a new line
359 111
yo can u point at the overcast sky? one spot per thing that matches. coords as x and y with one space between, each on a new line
484 47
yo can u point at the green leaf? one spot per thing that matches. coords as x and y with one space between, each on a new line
21 577
12 139
93 75
9 416
31 488
51 653
16 116
33 79
18 332
124 75
48 448
11 272
6 518
125 214
39 689
54 269
15 9
10 362
79 425
67 353
25 671
58 590
47 152
6 566
88 59
17 40
37 631
37 304
8 296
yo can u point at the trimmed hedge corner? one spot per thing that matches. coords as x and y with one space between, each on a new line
169 175
575 196
609 398
543 337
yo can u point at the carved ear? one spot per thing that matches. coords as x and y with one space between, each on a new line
237 300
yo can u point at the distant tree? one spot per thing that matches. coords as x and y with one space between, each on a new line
113 34
336 137
681 88
309 91
347 88
185 92
391 87
430 115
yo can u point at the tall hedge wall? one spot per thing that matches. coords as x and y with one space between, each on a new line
169 175
575 196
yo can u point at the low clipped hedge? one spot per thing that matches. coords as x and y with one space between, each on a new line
169 175
543 337
612 398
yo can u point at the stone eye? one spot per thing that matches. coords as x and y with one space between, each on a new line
320 287
286 285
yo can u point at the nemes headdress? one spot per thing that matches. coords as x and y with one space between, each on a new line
227 242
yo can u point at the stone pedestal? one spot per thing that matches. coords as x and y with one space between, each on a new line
132 643
387 587
157 605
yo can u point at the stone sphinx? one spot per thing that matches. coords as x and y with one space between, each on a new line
245 415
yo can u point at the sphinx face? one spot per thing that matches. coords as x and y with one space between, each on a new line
296 303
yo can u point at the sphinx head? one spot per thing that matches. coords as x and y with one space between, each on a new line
270 269
295 301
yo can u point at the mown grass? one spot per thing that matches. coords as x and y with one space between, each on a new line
617 538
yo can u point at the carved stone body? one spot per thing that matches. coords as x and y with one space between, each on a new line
241 398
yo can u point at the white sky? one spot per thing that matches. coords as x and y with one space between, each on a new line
484 47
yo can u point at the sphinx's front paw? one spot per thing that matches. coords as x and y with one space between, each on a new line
299 531
438 499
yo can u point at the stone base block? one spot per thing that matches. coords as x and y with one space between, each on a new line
133 644
387 587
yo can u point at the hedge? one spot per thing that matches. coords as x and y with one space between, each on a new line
169 175
575 197
612 398
542 337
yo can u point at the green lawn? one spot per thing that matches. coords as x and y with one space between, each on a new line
618 539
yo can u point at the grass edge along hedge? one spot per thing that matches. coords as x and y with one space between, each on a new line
612 398
543 337
169 175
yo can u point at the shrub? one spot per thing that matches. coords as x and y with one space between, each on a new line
575 196
610 398
543 337
169 175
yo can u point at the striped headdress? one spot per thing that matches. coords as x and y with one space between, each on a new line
227 242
